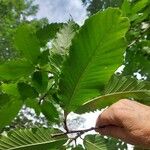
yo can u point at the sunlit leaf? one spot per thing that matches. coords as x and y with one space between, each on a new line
13 70
119 88
95 54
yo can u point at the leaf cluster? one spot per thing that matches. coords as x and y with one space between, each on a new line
70 68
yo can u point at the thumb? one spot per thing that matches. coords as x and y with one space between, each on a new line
113 131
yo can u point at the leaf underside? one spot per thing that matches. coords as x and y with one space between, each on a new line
30 139
119 88
95 54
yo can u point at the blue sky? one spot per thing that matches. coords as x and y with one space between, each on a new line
61 10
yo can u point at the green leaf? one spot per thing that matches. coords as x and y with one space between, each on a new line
132 9
26 91
139 5
98 142
9 110
50 111
10 89
4 98
48 32
40 81
34 104
119 88
78 147
61 45
31 139
27 42
14 70
43 58
96 52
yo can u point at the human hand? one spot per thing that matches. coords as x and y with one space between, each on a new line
127 120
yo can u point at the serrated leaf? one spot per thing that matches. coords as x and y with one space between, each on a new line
98 142
26 91
96 52
61 45
13 70
50 111
119 88
40 81
63 38
48 32
9 110
30 139
27 43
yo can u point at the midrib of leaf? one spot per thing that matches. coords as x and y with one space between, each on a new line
33 144
117 93
87 66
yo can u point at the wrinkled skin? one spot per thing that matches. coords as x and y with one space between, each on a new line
127 120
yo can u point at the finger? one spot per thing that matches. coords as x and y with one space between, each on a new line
104 119
113 131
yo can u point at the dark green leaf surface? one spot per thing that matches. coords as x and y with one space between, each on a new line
43 58
50 111
48 32
40 81
9 110
4 98
96 52
119 88
15 69
30 139
26 91
27 42
33 103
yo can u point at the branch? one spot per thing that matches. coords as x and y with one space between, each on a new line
65 121
74 131
42 97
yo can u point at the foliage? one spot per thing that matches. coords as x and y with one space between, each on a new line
31 139
12 14
138 11
93 6
100 143
75 73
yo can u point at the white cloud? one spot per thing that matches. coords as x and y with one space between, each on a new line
62 10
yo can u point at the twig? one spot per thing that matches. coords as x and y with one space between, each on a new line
74 131
65 121
138 37
75 138
42 97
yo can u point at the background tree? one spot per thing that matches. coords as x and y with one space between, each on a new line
12 13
